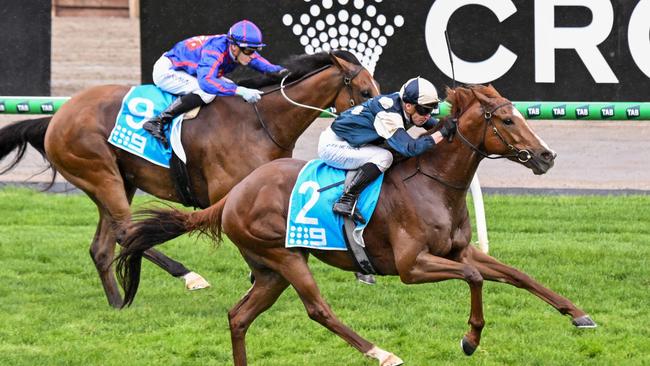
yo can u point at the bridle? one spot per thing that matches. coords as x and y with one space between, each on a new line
522 155
347 82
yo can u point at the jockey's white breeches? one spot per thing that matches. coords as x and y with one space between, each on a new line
177 81
338 153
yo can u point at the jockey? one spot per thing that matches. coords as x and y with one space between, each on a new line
195 69
351 142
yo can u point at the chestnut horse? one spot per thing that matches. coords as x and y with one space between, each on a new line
228 140
420 229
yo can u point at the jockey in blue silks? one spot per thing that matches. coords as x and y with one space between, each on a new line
351 142
195 69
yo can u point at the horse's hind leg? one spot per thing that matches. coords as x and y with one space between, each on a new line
193 280
102 251
493 270
293 267
267 288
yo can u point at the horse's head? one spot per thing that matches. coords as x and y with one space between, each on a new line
359 84
491 125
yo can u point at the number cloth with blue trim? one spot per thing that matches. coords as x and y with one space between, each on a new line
312 223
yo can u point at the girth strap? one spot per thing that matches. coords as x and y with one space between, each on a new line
181 178
354 239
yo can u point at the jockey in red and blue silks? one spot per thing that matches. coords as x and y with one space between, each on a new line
195 69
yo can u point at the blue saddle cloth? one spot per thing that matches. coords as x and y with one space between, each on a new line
312 223
139 104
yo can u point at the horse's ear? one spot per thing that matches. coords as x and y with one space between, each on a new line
341 63
485 101
493 90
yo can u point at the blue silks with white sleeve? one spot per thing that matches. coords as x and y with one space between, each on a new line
312 223
139 104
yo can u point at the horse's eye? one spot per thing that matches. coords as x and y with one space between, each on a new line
507 121
365 94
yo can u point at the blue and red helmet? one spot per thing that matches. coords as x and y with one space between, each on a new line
246 34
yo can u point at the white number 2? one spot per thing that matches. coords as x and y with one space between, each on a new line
302 218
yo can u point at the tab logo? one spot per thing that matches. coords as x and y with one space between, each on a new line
22 107
47 107
2 107
534 111
633 112
607 112
582 111
559 111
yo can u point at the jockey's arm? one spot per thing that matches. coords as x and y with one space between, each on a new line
390 126
207 75
262 65
427 129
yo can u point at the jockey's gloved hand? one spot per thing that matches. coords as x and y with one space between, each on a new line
249 95
449 127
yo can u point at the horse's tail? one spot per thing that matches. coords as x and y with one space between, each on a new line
17 135
159 226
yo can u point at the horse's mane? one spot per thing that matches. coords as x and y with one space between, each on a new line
299 65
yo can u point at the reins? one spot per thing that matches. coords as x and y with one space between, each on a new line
347 81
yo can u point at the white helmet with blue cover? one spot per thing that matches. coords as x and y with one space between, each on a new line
419 91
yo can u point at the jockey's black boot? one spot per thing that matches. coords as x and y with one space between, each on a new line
156 125
347 204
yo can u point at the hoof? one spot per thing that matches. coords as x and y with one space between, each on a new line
467 347
391 360
194 281
365 279
584 322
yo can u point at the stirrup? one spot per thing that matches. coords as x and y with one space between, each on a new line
354 213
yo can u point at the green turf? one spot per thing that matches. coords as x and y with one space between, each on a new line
593 250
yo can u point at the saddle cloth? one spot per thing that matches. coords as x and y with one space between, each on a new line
312 223
139 104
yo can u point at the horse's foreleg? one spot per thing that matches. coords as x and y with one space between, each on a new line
426 268
493 270
267 288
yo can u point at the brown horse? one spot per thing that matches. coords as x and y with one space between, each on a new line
420 229
228 140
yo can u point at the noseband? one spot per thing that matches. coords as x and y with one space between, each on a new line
522 155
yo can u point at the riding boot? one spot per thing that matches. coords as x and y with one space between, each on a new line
347 203
156 125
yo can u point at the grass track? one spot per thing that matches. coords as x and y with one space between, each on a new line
593 250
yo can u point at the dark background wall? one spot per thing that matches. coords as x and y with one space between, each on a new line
475 35
25 44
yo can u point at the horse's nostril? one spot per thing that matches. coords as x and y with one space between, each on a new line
549 155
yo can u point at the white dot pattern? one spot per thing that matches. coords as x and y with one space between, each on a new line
357 26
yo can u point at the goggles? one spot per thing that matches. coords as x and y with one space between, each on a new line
249 50
425 110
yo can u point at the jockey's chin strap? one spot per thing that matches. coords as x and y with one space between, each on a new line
522 155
